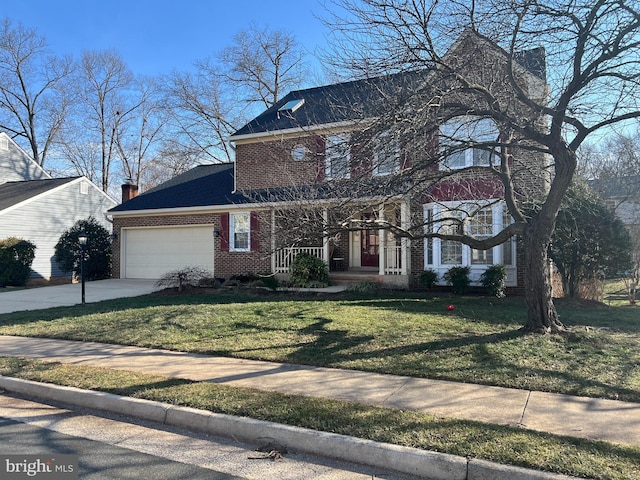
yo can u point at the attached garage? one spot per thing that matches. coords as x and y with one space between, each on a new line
151 252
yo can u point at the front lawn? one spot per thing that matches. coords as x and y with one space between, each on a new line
397 333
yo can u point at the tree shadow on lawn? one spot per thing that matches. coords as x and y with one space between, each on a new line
337 349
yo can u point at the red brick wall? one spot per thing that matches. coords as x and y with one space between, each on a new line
269 163
226 264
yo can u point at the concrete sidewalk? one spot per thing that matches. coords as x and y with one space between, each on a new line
71 294
590 418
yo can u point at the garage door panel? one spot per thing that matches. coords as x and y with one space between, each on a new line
152 252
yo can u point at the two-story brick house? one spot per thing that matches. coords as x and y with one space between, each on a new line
329 172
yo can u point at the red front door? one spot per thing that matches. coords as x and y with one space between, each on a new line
370 241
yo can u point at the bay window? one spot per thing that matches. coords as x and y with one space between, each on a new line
478 220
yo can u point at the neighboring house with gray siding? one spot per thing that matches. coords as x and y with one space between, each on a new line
38 208
15 164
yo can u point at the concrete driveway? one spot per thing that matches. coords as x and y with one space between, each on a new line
71 294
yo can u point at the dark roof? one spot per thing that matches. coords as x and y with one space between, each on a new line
348 101
204 185
13 193
534 60
359 99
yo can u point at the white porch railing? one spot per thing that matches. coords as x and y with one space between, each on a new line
284 256
393 260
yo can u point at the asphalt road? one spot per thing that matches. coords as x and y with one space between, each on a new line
97 461
112 447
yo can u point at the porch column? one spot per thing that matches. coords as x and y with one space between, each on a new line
404 241
273 241
382 248
325 236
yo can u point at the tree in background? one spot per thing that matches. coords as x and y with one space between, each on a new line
589 243
613 168
592 64
262 65
227 89
34 94
97 252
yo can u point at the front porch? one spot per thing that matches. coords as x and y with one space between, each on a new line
357 254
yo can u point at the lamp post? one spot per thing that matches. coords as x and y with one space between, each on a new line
82 240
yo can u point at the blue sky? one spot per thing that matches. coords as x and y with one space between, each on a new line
158 36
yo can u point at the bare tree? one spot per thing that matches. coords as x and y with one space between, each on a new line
202 114
33 97
613 166
262 64
592 69
116 121
139 141
212 102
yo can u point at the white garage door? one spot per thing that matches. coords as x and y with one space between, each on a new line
152 252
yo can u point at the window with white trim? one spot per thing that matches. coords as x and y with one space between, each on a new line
459 133
473 219
386 155
338 157
239 228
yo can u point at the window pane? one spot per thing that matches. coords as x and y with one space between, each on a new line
450 252
482 257
240 231
455 160
464 129
481 224
481 158
241 241
337 153
507 252
387 155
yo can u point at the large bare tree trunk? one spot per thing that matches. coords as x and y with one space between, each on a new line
542 316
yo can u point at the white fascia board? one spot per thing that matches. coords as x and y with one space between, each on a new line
190 210
297 131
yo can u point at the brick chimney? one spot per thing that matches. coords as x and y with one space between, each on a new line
129 190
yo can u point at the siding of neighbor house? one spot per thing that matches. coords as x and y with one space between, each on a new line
15 164
43 218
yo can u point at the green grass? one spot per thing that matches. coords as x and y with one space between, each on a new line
396 333
507 445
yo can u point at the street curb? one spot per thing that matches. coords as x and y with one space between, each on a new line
412 461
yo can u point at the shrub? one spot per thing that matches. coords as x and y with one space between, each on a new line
97 264
428 278
494 280
271 282
458 278
191 276
308 271
16 257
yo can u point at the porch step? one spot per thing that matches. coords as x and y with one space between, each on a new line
350 278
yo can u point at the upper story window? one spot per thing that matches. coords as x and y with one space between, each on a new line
457 137
239 232
338 157
386 156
